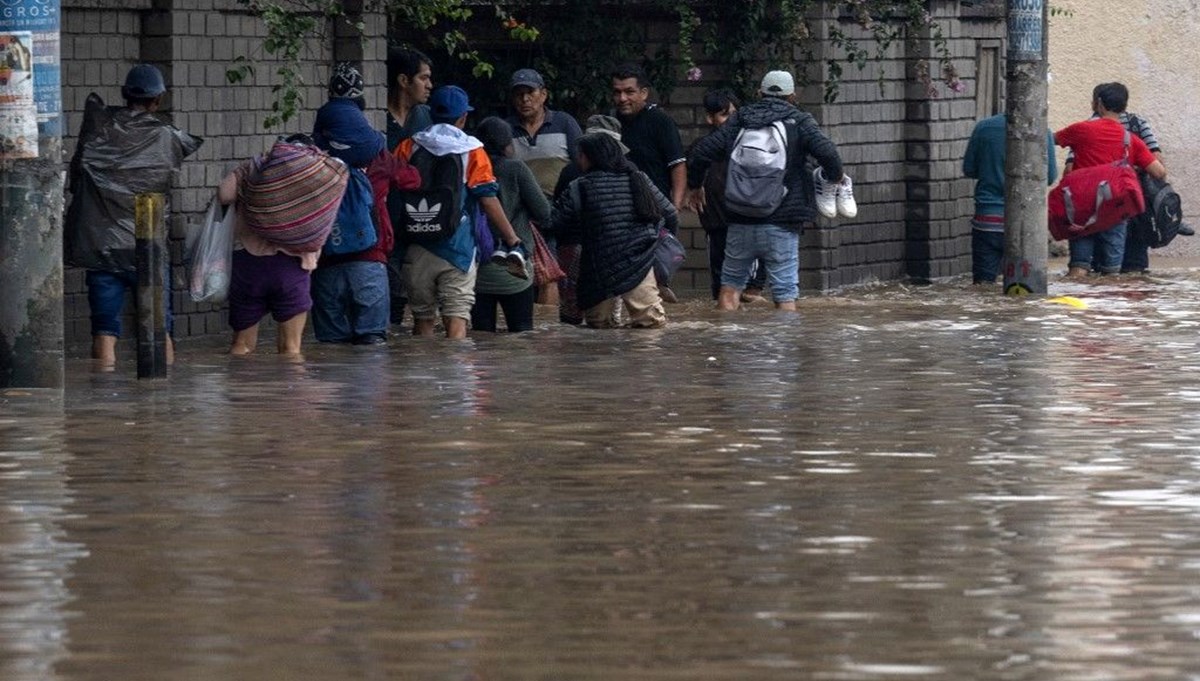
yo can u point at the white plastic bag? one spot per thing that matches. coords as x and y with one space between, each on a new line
210 258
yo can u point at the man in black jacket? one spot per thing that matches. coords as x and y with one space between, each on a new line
774 234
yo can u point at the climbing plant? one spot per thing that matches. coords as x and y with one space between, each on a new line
574 43
291 25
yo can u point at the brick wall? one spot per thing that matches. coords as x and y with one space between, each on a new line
193 42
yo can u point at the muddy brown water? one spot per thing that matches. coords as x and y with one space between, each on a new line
895 482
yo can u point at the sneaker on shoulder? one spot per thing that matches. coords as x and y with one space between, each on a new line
826 195
846 206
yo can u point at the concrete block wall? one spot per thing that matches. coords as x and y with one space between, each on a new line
939 200
193 42
866 121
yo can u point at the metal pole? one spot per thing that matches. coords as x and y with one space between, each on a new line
1025 236
31 197
150 250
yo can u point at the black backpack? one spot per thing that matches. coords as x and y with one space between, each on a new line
1159 224
433 212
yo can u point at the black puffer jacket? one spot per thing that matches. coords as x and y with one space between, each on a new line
617 249
798 206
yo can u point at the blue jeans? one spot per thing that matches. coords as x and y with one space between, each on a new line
1106 249
716 263
106 298
1137 252
350 302
779 250
987 253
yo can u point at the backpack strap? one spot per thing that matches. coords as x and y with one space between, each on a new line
791 137
1126 141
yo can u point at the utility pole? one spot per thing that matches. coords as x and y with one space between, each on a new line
1025 233
31 196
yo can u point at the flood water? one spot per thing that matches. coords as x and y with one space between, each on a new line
896 482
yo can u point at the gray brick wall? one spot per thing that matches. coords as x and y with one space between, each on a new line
193 42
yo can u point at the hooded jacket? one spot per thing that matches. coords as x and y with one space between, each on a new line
342 130
805 139
597 211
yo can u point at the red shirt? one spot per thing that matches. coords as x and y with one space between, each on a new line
1102 140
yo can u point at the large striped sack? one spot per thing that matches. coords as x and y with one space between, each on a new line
291 196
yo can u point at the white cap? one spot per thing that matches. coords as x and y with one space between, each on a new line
778 84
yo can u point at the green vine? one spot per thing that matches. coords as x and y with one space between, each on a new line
294 25
574 43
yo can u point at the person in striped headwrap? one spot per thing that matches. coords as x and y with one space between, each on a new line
274 275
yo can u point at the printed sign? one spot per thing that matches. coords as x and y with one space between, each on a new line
41 19
18 115
1026 30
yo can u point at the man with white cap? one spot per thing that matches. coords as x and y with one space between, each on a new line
769 197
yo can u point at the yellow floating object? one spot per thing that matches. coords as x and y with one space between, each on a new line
1069 301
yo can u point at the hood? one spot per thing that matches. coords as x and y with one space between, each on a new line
442 139
765 112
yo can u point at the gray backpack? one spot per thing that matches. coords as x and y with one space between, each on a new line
754 184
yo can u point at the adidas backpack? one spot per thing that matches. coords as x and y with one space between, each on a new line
432 212
754 184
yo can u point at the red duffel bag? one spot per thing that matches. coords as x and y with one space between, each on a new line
1091 200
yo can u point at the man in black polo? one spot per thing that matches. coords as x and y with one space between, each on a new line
650 133
653 140
544 139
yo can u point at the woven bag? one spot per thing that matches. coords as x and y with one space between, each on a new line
291 196
545 266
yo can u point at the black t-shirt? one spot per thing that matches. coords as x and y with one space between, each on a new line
654 145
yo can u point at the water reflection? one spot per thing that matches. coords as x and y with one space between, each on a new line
36 557
893 483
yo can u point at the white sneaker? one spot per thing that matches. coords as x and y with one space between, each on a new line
846 207
826 195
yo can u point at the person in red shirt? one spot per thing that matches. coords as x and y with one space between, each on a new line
1096 142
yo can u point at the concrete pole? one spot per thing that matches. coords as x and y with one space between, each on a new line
150 252
1025 235
31 199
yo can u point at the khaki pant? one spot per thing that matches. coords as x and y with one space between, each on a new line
643 302
435 285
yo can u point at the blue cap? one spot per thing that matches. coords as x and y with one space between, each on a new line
143 81
448 103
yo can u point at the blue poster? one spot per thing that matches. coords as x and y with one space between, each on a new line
41 17
29 15
1026 30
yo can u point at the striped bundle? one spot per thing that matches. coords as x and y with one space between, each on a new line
291 196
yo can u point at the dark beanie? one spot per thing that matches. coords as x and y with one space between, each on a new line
496 134
346 83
